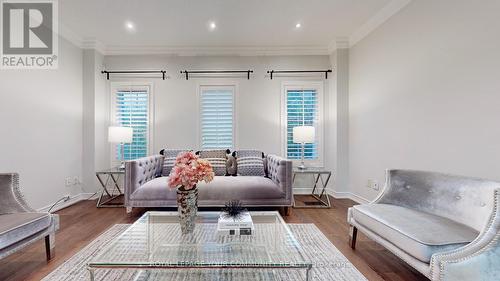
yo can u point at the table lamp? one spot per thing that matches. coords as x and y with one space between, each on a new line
303 135
120 135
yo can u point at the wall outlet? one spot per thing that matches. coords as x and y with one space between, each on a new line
76 180
373 184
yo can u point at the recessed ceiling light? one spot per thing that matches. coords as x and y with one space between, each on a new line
130 26
298 25
212 26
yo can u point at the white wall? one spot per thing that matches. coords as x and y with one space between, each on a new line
95 119
101 117
425 93
257 100
88 115
340 141
41 124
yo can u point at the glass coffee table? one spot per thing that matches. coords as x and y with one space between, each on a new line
154 249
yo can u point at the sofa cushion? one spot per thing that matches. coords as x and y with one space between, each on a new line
217 159
240 188
221 189
417 233
16 227
250 163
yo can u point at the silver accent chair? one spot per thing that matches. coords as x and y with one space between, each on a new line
446 227
20 225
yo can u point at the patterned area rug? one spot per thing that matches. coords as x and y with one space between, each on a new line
328 263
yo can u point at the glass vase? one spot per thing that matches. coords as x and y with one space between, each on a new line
187 206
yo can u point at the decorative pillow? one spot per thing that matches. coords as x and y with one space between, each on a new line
217 159
168 163
264 159
231 168
250 163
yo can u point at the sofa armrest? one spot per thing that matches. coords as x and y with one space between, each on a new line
140 171
478 259
11 197
280 172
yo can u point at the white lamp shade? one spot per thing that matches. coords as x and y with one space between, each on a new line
120 134
304 134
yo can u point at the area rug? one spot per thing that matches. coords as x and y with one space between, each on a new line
328 263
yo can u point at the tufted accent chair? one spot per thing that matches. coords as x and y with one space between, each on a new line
445 226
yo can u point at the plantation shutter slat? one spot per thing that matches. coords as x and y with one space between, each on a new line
217 111
132 110
302 110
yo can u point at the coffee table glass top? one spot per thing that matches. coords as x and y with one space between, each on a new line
155 241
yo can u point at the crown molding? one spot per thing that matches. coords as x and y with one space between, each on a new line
377 20
93 43
338 43
217 50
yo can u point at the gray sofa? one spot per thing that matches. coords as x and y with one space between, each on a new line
145 187
19 224
446 227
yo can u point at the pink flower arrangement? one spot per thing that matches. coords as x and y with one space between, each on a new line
189 169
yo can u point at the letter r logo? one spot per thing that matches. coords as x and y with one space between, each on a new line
27 28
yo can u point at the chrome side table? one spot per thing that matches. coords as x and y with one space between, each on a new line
318 192
104 177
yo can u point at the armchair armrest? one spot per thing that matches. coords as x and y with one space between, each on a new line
386 190
280 172
476 260
396 187
11 198
140 171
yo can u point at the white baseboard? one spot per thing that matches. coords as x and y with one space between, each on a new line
334 194
64 204
348 195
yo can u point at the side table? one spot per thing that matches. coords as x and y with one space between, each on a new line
318 192
104 177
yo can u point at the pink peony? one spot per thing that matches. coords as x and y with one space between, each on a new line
188 170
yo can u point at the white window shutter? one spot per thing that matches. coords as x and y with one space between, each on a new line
132 110
217 117
302 110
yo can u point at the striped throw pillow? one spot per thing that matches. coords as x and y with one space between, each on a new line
168 163
250 163
217 159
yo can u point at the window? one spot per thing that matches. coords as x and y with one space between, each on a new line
303 107
131 108
217 116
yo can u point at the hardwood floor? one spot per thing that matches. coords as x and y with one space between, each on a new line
83 222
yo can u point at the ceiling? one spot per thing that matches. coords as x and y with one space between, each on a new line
183 26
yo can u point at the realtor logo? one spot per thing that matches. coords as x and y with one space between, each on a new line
29 34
